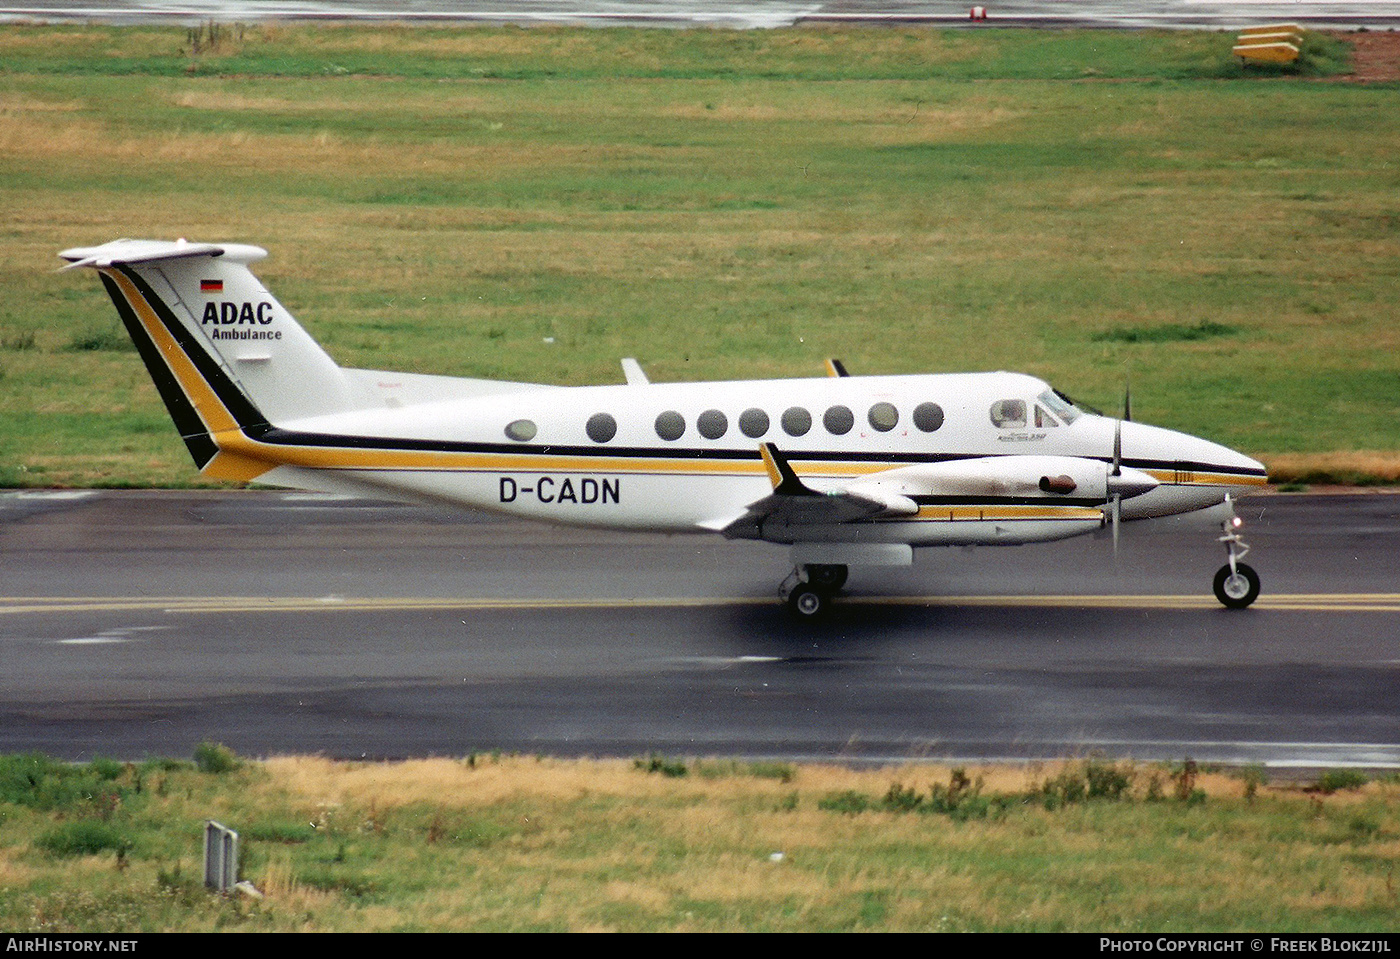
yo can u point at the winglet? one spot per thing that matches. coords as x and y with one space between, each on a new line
835 367
780 473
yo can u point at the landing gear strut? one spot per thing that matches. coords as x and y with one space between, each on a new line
1236 583
809 589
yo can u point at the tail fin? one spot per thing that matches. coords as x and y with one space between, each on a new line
224 354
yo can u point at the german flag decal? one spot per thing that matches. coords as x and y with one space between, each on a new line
211 286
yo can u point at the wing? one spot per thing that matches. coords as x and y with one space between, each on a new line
901 492
794 503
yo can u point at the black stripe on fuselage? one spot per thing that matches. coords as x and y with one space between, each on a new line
256 427
1185 466
283 437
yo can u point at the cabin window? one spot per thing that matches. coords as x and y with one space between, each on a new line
839 420
670 425
601 427
712 424
522 431
928 417
753 423
884 417
1009 414
796 421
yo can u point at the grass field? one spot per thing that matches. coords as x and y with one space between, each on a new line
535 204
501 843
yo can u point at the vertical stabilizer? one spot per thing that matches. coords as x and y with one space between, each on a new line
224 354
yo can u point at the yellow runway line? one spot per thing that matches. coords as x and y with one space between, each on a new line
37 605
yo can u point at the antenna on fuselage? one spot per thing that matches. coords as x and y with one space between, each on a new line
632 370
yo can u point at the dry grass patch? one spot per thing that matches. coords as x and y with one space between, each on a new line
36 138
470 783
1367 467
510 842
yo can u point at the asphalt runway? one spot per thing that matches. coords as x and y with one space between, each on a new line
138 624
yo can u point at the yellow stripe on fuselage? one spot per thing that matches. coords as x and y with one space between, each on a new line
1192 478
1028 512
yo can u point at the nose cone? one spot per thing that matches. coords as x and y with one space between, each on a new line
1180 457
1223 466
1191 473
1130 482
1254 468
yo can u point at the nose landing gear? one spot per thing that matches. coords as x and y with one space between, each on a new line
1236 583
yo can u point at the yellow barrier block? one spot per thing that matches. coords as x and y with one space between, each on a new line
1254 39
1267 52
1292 28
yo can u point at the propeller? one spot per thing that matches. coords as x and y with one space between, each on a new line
1116 473
1116 499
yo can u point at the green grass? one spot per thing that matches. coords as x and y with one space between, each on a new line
516 844
534 204
514 53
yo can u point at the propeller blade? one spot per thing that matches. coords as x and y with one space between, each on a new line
1128 398
1117 517
1117 449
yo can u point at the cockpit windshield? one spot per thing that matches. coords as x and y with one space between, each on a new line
1059 404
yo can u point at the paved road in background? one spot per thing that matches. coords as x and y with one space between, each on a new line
139 623
1212 14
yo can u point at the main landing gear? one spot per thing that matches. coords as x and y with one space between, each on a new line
809 589
1236 584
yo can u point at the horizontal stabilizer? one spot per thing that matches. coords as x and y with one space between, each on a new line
121 252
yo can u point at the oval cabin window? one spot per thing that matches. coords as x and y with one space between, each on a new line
884 417
670 426
928 417
753 423
712 424
796 421
839 420
522 431
601 427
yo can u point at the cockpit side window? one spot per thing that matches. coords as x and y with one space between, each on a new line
1009 414
1060 405
1044 419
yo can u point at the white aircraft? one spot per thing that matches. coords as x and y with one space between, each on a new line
844 470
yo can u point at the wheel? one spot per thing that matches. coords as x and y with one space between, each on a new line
828 577
1239 589
807 602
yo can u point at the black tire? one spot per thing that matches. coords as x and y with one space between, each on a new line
828 577
807 602
1238 591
